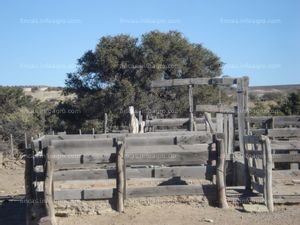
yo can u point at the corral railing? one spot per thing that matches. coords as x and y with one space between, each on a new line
273 160
285 147
259 166
120 158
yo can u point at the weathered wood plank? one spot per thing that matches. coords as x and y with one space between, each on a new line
230 131
191 108
164 172
48 192
294 166
286 158
221 173
284 132
193 139
209 122
258 132
215 108
220 122
83 143
120 184
162 157
285 145
242 125
257 172
180 139
172 122
190 81
158 191
28 174
269 164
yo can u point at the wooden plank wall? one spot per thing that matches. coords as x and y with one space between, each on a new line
190 149
259 164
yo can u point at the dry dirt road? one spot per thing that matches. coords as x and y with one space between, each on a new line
12 211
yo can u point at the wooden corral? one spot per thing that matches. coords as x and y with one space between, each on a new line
230 149
169 158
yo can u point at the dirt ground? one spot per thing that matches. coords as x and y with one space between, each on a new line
12 210
12 191
180 214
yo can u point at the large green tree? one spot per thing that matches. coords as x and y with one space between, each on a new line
118 73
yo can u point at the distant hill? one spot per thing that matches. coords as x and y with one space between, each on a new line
45 93
286 89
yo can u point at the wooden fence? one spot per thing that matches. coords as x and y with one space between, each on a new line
119 157
259 166
285 147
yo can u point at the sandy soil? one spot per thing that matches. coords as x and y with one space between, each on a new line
12 191
178 214
12 211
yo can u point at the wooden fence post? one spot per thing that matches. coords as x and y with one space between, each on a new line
105 123
11 145
209 122
269 189
25 140
48 197
191 104
120 174
231 138
28 173
221 185
241 111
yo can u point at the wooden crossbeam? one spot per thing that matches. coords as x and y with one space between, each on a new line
193 81
215 109
133 192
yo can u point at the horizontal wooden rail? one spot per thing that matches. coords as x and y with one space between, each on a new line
285 145
215 109
193 138
159 158
284 132
286 158
193 81
158 191
164 172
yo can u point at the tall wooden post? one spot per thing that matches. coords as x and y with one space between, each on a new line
120 174
242 107
11 145
269 189
25 141
140 118
246 107
48 191
220 175
105 123
191 104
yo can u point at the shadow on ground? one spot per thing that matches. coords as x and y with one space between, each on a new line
12 210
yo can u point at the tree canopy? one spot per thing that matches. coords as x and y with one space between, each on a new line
118 73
